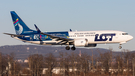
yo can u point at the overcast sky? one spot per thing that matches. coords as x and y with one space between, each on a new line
62 15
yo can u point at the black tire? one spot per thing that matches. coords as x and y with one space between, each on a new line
67 48
120 47
73 48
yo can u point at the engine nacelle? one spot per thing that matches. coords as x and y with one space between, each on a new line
81 42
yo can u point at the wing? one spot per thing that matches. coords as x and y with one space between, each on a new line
13 35
61 40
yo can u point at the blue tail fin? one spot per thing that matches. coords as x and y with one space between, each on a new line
20 27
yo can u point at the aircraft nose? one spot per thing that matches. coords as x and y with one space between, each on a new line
130 37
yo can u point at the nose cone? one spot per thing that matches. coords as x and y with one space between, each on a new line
130 37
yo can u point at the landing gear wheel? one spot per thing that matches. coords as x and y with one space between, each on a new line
67 48
73 48
120 47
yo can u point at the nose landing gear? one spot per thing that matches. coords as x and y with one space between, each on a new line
120 46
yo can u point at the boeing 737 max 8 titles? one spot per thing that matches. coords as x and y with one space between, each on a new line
74 38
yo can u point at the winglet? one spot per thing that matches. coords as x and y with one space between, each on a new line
37 28
70 30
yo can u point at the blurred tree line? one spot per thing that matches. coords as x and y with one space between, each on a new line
104 64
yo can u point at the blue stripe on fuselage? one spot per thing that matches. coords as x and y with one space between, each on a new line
36 37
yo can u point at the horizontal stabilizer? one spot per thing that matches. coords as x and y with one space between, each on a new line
13 35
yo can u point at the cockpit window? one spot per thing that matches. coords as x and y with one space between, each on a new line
124 33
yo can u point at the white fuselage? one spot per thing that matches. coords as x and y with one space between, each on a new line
119 37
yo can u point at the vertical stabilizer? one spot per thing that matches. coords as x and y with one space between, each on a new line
20 27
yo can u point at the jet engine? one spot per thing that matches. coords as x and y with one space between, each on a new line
83 43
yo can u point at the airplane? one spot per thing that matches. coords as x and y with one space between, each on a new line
68 38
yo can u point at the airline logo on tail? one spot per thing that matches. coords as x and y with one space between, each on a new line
18 27
16 21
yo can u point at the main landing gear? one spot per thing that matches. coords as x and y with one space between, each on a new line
68 48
